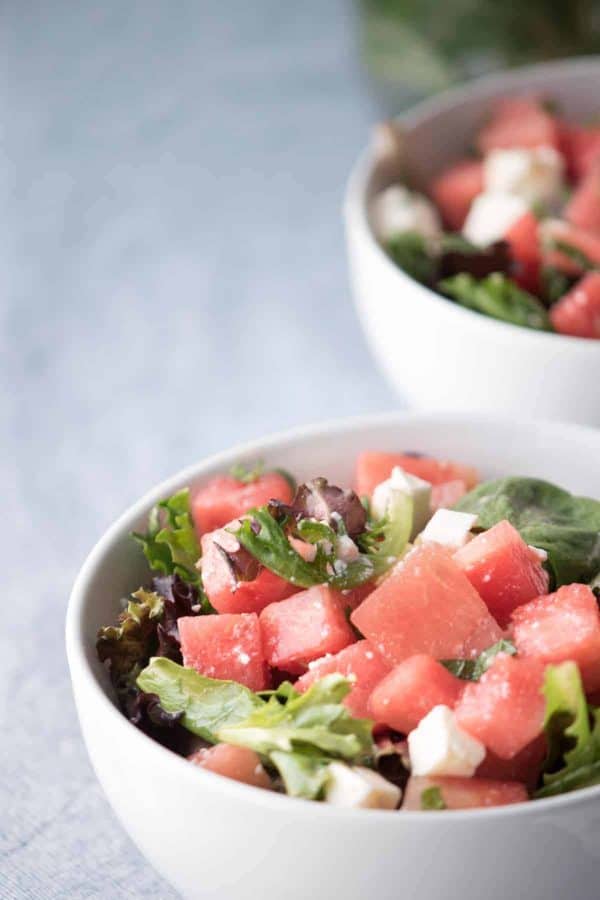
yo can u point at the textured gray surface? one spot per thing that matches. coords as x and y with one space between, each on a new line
172 282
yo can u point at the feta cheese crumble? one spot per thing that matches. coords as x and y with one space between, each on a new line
357 787
396 210
437 746
491 215
536 174
403 483
449 528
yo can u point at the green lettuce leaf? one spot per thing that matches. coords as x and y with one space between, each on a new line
247 474
497 296
207 704
303 774
128 645
546 516
170 543
473 669
572 731
431 798
409 251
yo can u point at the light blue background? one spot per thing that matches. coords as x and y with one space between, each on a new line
172 282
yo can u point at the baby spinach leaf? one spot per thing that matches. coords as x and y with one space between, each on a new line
572 731
170 543
546 516
497 296
206 704
473 669
409 251
431 798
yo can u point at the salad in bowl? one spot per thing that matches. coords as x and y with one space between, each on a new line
511 230
416 639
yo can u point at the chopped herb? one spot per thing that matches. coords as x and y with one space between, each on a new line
431 798
499 297
473 669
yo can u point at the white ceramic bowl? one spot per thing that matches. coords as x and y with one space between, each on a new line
215 838
436 353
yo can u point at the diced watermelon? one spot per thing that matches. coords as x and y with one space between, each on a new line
226 646
505 708
226 593
445 495
578 312
358 661
556 232
238 763
464 793
581 146
454 190
525 767
562 626
583 209
224 498
519 122
373 467
523 241
303 628
426 605
502 569
411 690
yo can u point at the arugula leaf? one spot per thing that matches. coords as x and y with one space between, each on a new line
266 540
546 516
573 733
247 474
129 645
499 297
316 719
473 669
170 544
409 251
431 798
207 704
303 774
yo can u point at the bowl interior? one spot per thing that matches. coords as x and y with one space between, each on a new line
567 455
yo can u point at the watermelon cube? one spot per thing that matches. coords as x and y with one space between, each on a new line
373 467
232 588
583 209
359 662
464 793
578 312
238 763
562 626
555 231
411 690
525 767
224 498
304 628
426 605
228 647
523 241
505 708
446 494
502 569
581 146
454 190
519 122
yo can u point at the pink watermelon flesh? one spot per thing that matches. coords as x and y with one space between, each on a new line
583 209
226 593
224 498
525 767
304 628
562 626
505 709
519 122
581 146
555 231
411 690
373 467
228 647
237 763
578 312
455 189
464 793
426 605
358 661
524 245
445 495
502 569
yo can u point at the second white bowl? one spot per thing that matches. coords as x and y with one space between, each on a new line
436 353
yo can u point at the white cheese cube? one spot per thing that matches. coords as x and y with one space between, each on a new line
491 215
396 210
449 528
541 554
437 746
357 787
536 174
404 483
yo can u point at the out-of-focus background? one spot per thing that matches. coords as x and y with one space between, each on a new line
172 282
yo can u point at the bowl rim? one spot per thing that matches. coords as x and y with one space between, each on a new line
355 205
130 737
